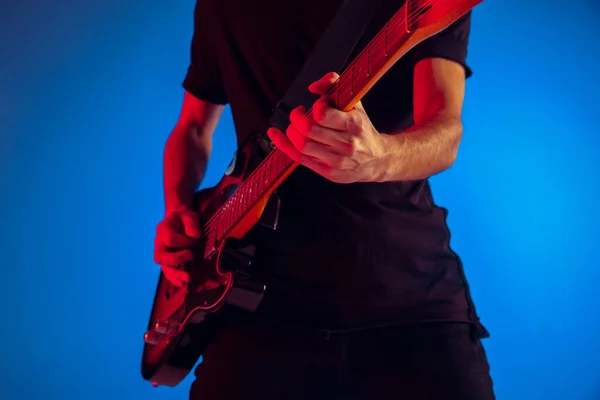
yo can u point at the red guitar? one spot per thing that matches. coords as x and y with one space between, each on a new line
179 327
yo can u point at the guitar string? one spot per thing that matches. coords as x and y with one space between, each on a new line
394 23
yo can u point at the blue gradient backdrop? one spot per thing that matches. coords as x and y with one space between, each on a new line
89 92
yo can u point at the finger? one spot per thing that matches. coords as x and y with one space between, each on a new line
285 145
191 225
177 240
164 257
332 118
307 146
324 84
300 120
176 276
308 127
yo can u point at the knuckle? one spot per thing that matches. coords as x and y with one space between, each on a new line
167 270
184 255
170 240
298 140
301 144
290 131
354 119
295 115
320 112
164 229
337 163
191 214
352 147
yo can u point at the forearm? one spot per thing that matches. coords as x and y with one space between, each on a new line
421 151
185 160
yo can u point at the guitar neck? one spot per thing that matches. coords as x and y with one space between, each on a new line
414 22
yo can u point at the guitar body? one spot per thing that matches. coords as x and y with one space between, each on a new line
182 321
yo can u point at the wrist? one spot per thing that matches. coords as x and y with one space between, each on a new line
382 162
175 202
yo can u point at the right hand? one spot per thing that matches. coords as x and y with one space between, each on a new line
175 236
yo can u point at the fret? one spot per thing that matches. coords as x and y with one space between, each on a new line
252 184
256 185
210 246
361 76
333 96
227 214
272 166
282 161
236 205
276 166
269 167
241 199
246 196
261 178
251 191
266 172
343 90
233 208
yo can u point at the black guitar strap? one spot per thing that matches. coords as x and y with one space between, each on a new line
331 54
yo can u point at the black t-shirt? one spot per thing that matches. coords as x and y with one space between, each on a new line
342 255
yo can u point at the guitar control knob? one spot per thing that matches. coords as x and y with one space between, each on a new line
153 337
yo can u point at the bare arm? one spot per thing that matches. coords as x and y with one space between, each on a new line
431 145
187 151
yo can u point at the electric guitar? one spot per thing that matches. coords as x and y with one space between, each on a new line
180 322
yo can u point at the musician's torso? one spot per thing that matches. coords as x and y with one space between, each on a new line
342 254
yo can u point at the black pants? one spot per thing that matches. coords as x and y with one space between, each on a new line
430 361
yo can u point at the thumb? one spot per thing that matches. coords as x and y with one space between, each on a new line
191 225
324 84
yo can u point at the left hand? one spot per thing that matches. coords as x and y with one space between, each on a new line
343 147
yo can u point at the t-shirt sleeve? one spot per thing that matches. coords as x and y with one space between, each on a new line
450 44
203 77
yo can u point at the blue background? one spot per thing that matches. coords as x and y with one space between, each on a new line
89 91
